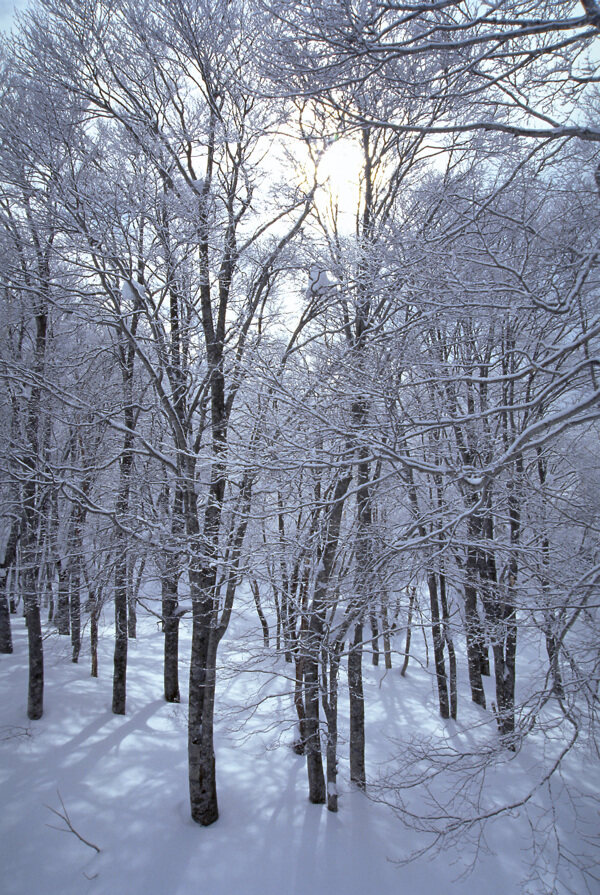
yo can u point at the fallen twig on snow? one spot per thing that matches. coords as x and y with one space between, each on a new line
64 815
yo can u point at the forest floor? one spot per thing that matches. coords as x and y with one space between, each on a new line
123 782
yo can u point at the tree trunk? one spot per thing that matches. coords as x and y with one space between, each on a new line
331 657
438 646
387 644
314 760
357 710
171 621
10 554
201 753
35 697
450 646
300 742
131 602
61 616
263 622
374 637
313 643
94 640
6 646
411 603
474 634
75 606
120 653
50 591
553 658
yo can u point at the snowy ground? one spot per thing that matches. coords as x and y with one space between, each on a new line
123 781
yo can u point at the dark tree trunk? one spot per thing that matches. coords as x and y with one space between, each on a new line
31 506
387 644
171 620
474 633
201 752
313 643
499 605
300 743
35 697
5 632
330 706
10 554
50 592
263 622
374 636
553 660
314 760
120 652
411 604
131 605
364 596
278 626
357 710
75 606
450 646
126 355
474 645
134 582
438 646
94 641
61 616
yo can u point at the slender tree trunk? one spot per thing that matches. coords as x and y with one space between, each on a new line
171 621
75 606
35 697
278 625
31 505
131 601
6 646
314 761
121 591
450 645
313 643
374 636
553 658
411 604
474 644
203 584
50 592
357 709
10 555
120 651
300 742
438 646
474 633
364 596
127 360
387 644
94 639
201 753
263 622
61 617
330 705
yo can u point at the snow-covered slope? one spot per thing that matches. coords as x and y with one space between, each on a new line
123 782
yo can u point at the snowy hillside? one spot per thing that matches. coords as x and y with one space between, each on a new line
123 782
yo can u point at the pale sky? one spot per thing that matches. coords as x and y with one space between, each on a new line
7 8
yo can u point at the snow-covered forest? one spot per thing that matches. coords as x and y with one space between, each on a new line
299 466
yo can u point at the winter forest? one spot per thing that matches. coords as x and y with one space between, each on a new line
299 465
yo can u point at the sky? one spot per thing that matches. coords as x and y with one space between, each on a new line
7 9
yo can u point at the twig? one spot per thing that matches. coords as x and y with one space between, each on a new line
64 815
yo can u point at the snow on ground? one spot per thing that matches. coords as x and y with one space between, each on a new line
123 781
